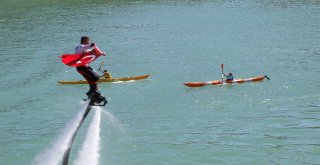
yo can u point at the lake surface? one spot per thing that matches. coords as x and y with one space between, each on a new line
159 121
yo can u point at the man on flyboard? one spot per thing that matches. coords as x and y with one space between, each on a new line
86 71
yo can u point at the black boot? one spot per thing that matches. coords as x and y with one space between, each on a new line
100 99
97 99
95 94
93 91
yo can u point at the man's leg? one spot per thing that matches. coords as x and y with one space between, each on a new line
91 76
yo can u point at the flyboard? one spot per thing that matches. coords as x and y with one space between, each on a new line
74 60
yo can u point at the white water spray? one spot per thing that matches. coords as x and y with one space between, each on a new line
53 155
89 153
114 121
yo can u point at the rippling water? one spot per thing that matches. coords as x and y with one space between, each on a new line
160 121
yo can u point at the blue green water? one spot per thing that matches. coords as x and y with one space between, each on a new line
160 121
